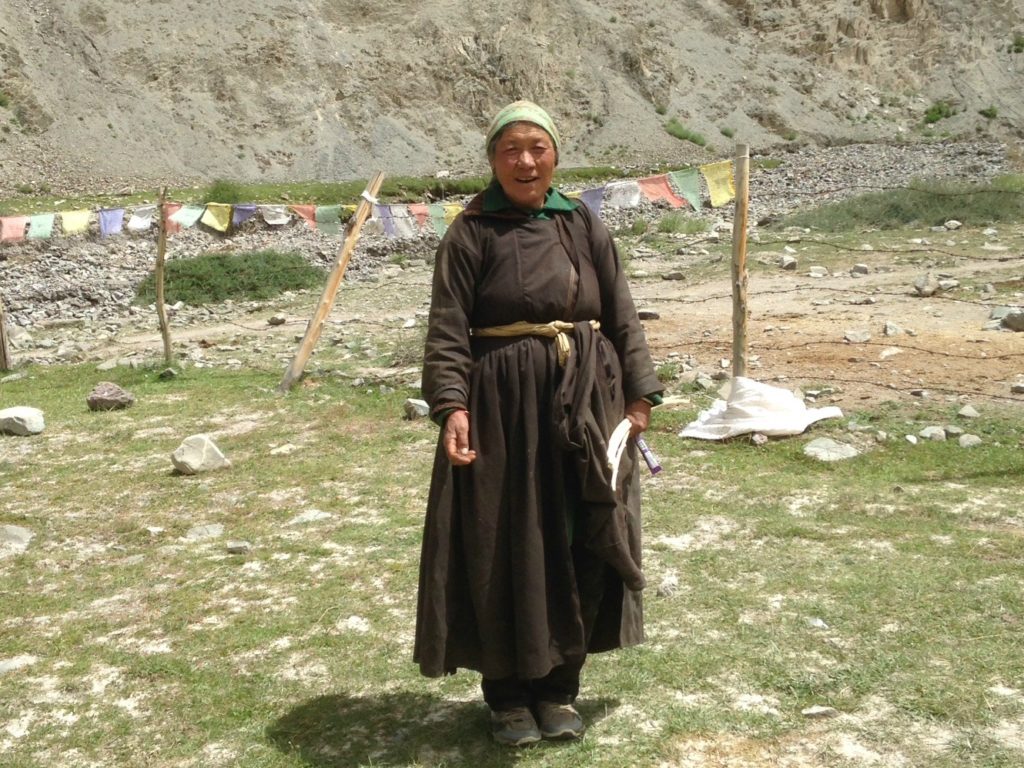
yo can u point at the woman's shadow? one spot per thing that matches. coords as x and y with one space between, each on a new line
398 729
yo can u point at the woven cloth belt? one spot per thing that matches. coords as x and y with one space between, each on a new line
557 329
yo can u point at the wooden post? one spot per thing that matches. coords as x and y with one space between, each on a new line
161 253
316 325
739 262
5 350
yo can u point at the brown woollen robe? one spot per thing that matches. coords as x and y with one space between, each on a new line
507 585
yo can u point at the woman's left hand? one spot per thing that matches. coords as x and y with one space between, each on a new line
639 414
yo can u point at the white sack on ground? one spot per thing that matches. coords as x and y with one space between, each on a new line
756 407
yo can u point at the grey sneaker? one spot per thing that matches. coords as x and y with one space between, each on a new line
514 727
559 721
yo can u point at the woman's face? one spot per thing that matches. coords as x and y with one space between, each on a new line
523 163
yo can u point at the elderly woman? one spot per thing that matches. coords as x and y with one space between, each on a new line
534 354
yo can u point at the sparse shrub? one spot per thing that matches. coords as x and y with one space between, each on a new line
674 223
989 113
674 128
213 277
222 191
940 110
661 109
1017 46
727 132
789 135
4 99
638 227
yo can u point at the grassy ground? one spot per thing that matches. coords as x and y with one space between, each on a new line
887 587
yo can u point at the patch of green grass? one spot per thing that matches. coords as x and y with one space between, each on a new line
888 586
674 128
5 100
923 203
1017 46
727 132
939 110
989 113
213 277
675 223
767 163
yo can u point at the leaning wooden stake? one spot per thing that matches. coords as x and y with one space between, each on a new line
5 351
739 262
323 309
161 254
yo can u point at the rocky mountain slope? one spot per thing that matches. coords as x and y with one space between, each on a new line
98 94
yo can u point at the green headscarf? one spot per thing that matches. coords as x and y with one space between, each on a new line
522 111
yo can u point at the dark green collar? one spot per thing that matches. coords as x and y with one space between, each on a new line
495 200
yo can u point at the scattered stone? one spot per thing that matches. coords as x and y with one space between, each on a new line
912 439
926 285
1014 320
676 275
857 337
198 453
1017 389
238 547
968 412
277 320
827 449
108 396
201 532
815 623
283 450
952 430
932 433
648 314
953 224
704 382
969 441
867 247
416 409
309 516
818 272
759 438
891 329
167 374
948 284
108 365
819 712
860 269
863 300
14 540
669 586
922 393
788 262
990 232
21 420
998 313
994 247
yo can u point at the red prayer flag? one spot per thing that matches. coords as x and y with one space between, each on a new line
657 188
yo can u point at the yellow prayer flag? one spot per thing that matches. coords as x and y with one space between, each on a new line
75 222
720 184
450 212
217 216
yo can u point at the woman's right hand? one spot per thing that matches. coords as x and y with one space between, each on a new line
456 439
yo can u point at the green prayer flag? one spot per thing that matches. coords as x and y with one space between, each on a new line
41 226
687 186
328 218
